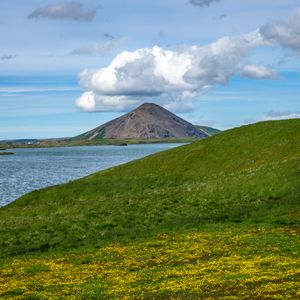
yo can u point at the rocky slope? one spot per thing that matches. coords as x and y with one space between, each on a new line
148 121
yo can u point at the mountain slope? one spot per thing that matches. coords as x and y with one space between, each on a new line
209 130
148 121
247 174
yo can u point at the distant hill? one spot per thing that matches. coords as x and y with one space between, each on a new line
209 130
148 121
23 141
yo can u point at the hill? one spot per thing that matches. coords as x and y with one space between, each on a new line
148 121
209 130
249 173
216 219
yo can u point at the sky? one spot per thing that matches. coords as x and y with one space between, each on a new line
69 66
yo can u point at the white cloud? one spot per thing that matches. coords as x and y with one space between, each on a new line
8 57
203 3
90 102
148 71
258 72
169 78
175 79
98 49
274 116
286 33
64 11
285 115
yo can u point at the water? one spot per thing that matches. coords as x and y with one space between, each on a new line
31 169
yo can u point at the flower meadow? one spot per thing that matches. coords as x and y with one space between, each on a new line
217 262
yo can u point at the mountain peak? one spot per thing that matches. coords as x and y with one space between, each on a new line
148 106
148 121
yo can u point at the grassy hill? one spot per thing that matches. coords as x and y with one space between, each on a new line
249 173
209 130
230 202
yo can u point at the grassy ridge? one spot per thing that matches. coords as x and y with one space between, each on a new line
248 174
217 219
209 130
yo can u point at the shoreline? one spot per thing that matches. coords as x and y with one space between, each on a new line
7 153
120 143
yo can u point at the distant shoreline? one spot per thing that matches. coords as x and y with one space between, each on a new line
6 153
104 142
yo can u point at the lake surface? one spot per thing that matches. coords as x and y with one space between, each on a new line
31 169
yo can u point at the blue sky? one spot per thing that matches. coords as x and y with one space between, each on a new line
209 79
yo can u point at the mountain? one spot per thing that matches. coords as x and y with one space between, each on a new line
148 121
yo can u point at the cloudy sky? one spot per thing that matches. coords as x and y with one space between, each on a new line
68 66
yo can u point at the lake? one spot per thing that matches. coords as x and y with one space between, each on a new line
31 169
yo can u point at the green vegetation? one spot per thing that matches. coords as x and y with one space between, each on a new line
220 262
77 142
6 153
85 136
214 219
245 174
209 130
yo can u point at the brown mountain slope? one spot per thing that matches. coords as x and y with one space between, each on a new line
148 121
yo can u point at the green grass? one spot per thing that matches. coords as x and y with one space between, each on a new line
6 153
216 262
216 219
89 134
247 175
74 142
79 142
209 130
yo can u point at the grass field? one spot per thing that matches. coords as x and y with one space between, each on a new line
6 153
246 262
216 219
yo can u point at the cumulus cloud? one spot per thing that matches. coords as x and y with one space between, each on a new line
170 78
258 72
286 33
98 49
8 57
64 11
90 101
203 3
175 79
